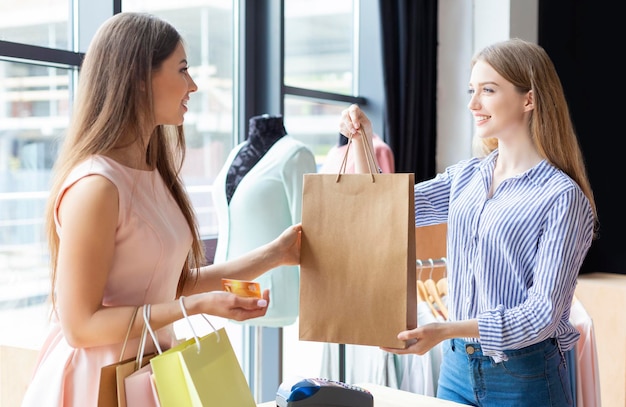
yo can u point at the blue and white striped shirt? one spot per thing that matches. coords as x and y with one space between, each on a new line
514 258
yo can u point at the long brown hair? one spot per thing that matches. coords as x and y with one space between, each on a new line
114 108
529 68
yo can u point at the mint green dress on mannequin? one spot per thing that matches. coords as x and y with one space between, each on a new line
258 194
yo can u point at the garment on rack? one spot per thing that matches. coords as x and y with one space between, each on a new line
369 364
335 155
364 364
587 371
265 189
419 373
432 285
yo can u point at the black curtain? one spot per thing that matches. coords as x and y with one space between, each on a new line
409 47
571 31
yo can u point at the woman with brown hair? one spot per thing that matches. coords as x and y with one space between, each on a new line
520 222
121 228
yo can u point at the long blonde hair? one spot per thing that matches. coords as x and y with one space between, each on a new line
527 66
114 108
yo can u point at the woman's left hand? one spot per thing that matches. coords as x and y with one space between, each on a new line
228 305
419 340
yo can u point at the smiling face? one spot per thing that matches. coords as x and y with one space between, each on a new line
500 110
171 86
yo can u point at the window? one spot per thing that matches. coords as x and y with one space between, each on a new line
36 93
319 45
47 27
320 56
38 70
34 113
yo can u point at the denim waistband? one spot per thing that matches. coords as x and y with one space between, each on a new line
474 349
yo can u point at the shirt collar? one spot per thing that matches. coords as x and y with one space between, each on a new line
539 174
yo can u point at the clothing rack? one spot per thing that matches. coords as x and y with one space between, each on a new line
434 269
432 284
441 262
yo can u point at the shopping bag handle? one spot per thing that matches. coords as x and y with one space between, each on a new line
142 341
146 318
368 152
146 325
130 327
195 336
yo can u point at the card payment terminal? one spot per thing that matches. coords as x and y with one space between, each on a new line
322 393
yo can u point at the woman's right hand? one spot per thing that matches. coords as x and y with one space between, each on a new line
353 119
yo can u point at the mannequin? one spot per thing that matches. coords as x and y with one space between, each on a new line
264 132
257 194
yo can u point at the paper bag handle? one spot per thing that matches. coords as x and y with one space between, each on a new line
142 341
146 318
130 327
195 336
368 152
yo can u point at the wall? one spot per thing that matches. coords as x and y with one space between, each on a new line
466 26
16 366
454 123
601 294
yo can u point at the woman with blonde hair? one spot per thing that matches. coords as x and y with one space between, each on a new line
121 228
520 222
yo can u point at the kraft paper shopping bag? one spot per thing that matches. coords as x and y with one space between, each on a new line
203 371
111 390
357 279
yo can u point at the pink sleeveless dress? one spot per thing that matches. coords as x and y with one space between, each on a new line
152 243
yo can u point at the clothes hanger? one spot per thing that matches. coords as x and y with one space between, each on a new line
442 283
422 292
432 289
442 286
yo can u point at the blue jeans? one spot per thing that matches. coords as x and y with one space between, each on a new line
534 376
